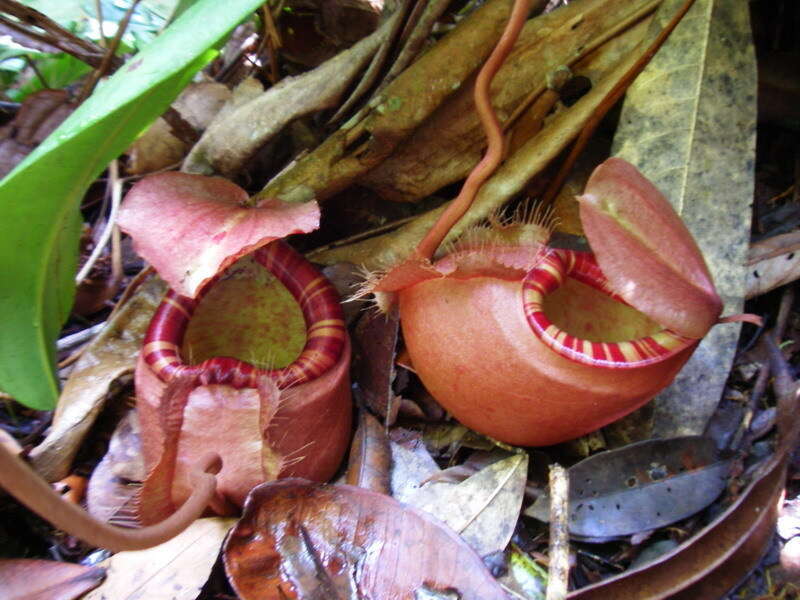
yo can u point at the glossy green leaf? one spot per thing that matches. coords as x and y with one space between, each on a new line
39 220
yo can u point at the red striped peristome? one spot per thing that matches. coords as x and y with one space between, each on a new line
318 302
548 276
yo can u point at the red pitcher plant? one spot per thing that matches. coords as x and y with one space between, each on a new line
247 355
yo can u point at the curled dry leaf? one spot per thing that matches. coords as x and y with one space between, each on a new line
111 494
370 456
28 579
158 147
773 262
300 540
640 487
110 356
376 336
231 140
191 227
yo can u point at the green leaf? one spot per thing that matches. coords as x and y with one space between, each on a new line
39 217
688 124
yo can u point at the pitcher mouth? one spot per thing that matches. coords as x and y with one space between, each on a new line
548 276
318 302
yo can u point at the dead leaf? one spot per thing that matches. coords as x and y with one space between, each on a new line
298 539
38 116
158 147
29 579
640 487
773 262
222 150
484 508
111 491
412 464
111 355
698 147
376 335
711 562
370 457
175 570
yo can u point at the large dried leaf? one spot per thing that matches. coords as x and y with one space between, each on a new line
640 487
688 123
110 356
175 570
190 227
447 145
299 540
28 579
484 508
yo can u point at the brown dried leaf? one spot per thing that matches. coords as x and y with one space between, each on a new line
773 262
300 540
28 579
370 457
111 355
110 495
38 116
376 338
175 570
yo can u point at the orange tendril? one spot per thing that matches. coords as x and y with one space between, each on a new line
743 318
30 489
491 126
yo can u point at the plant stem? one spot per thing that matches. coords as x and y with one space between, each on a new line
491 126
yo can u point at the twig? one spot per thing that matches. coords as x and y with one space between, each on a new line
54 35
609 101
98 9
72 340
106 63
116 197
558 571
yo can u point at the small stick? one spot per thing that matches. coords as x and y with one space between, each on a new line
558 572
116 197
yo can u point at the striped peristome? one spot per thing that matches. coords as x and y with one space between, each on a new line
548 276
318 301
